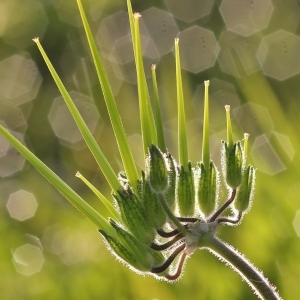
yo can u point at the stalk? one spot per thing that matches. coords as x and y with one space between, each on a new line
254 278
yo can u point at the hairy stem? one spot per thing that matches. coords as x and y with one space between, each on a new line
255 279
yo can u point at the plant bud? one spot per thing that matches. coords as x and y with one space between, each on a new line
156 170
153 208
185 191
232 164
207 188
134 217
245 191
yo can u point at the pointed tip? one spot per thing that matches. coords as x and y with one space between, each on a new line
137 15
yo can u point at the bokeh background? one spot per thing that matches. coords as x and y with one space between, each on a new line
250 52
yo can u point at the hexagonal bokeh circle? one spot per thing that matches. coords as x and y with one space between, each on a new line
198 48
21 205
254 119
22 23
189 10
62 122
246 17
296 223
11 161
265 157
238 53
28 259
161 28
278 55
20 79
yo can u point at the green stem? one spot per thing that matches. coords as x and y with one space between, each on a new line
255 279
181 228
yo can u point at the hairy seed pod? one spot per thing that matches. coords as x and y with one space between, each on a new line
207 188
185 191
154 210
170 192
134 217
156 170
232 160
245 191
140 251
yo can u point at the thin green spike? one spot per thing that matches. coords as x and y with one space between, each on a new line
205 144
124 149
229 128
158 118
103 199
182 138
104 165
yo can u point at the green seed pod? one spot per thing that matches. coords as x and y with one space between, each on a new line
245 191
185 191
134 217
207 188
170 193
154 210
122 252
232 160
119 250
140 251
156 170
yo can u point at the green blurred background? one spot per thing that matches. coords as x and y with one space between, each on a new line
250 52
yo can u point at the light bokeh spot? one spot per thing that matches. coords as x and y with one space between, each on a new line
23 22
198 48
11 161
68 244
246 17
162 29
278 55
265 157
283 142
296 223
63 124
28 259
189 10
22 205
254 119
19 79
238 53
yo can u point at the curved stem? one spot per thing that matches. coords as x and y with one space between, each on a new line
223 207
255 279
